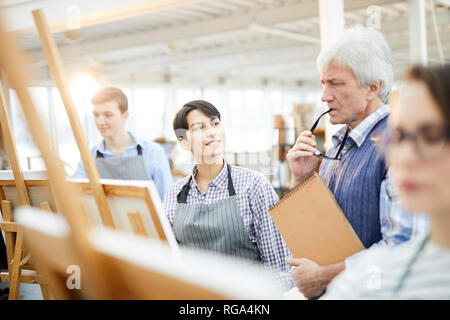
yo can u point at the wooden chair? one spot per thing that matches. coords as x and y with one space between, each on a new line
132 267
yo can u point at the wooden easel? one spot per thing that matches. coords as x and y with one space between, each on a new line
10 228
57 71
99 194
17 256
110 276
12 62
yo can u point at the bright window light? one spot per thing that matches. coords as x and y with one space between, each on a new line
83 86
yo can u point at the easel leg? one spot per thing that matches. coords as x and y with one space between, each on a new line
10 237
136 223
46 206
46 295
16 270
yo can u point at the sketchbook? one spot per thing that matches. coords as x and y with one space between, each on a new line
313 225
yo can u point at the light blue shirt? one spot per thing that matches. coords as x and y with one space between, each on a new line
397 225
155 161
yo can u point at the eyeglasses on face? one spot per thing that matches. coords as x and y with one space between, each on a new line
319 154
429 140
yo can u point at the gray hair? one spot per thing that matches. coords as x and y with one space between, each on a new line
367 54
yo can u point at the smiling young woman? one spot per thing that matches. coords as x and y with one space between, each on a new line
221 207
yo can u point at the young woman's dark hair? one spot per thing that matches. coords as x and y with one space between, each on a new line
180 124
437 80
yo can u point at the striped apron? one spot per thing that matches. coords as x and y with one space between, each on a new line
123 168
217 226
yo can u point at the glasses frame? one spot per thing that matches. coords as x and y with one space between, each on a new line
413 137
319 154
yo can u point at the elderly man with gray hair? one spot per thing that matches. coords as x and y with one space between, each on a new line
356 72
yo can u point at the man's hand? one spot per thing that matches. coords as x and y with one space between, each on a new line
310 278
301 159
307 276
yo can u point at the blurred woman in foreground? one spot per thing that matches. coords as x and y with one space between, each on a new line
418 149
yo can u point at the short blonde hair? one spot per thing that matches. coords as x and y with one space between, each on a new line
111 94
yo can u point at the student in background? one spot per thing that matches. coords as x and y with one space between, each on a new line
121 155
418 149
221 207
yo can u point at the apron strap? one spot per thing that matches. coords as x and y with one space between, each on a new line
231 190
182 195
138 147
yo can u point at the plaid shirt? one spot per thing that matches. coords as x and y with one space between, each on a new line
255 196
397 225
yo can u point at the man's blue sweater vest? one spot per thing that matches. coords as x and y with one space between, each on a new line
355 181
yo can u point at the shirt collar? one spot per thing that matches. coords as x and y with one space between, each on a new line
360 132
136 141
220 181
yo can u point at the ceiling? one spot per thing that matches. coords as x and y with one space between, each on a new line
203 42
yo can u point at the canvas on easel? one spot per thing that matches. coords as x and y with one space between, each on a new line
37 185
128 200
129 274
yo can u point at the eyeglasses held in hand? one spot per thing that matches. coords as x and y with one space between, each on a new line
319 154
